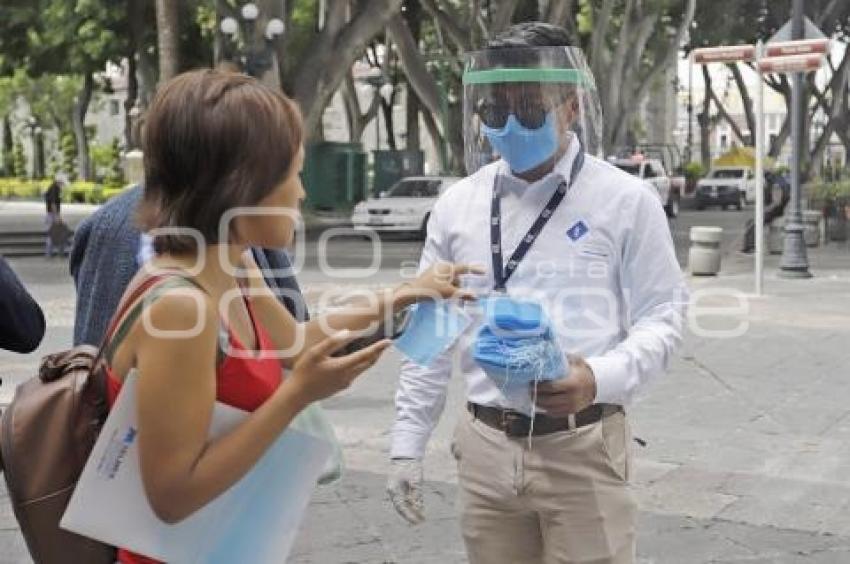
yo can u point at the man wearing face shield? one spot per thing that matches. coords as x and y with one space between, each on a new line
544 468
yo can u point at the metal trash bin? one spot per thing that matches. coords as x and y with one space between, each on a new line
704 254
391 166
334 175
811 223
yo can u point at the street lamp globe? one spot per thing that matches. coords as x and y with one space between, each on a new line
229 26
386 91
250 12
274 28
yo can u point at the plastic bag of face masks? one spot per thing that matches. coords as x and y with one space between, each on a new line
516 345
432 327
313 421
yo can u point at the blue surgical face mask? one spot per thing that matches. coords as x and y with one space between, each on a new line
521 147
433 327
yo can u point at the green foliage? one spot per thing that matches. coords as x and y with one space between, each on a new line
823 190
50 97
19 161
101 158
106 160
68 147
19 188
694 171
82 192
116 171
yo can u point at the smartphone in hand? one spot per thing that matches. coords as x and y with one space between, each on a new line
399 324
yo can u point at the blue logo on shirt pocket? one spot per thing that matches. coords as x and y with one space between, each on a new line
578 230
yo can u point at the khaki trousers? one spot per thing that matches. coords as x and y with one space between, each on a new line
563 500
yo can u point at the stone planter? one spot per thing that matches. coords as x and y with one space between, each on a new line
704 254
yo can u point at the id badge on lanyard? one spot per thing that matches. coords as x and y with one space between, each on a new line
501 271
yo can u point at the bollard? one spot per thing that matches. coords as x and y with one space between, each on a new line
135 167
811 221
776 236
704 254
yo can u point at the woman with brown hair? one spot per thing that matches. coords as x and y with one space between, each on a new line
223 155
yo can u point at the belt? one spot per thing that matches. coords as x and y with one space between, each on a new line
516 424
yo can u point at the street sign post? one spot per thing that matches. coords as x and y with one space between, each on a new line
724 54
779 57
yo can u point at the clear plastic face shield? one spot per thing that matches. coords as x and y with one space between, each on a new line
526 105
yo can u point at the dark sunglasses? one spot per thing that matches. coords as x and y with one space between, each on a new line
495 114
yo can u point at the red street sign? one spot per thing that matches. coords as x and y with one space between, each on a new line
800 47
728 54
795 63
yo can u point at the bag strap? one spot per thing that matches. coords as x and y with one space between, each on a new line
151 296
108 343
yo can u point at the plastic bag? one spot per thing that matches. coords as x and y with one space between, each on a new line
313 421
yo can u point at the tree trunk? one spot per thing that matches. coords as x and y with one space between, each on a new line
412 125
331 54
8 143
413 19
130 101
704 120
422 81
357 120
387 110
781 137
168 38
436 139
38 156
81 107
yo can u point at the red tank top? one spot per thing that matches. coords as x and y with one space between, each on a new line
242 380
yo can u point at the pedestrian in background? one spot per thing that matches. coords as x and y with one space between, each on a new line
21 319
58 234
773 210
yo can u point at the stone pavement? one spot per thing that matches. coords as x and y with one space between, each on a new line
748 438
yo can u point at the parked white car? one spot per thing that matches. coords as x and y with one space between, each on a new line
652 172
404 208
726 186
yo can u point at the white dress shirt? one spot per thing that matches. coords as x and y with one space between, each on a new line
604 268
145 251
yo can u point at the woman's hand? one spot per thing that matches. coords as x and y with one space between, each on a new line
441 281
318 375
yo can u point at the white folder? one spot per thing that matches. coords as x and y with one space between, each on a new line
256 520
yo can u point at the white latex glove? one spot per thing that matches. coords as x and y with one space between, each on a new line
405 489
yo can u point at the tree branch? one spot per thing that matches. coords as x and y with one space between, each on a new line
414 65
601 22
450 21
503 16
746 100
330 57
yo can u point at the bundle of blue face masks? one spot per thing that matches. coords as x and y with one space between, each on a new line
516 345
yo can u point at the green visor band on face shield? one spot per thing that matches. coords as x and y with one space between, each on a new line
496 76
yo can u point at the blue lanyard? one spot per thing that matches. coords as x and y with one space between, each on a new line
501 271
